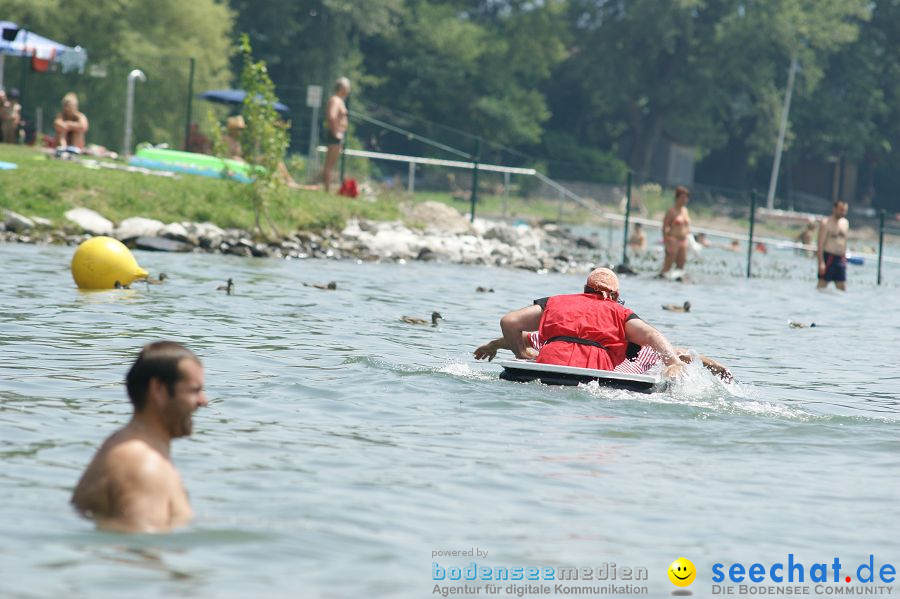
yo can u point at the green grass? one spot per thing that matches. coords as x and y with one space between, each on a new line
47 187
491 206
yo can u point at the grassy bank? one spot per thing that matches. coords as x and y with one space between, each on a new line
514 207
46 187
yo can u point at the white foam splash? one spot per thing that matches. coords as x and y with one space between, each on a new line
463 370
699 388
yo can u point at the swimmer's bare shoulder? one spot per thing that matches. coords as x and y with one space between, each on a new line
131 487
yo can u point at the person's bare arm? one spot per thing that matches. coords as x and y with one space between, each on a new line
820 244
81 125
61 123
489 349
667 223
517 322
716 368
333 116
639 332
144 485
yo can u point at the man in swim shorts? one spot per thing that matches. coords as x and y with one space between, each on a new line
585 330
832 247
131 484
336 122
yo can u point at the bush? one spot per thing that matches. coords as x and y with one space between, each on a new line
571 160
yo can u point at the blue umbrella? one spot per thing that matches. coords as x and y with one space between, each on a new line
235 96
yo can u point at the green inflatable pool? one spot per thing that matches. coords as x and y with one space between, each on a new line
191 163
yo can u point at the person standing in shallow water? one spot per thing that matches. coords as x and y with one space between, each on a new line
131 484
676 229
832 247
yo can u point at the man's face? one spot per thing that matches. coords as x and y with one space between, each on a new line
840 210
187 396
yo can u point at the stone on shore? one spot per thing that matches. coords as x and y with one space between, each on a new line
161 244
41 222
137 226
89 221
175 231
207 235
17 222
438 216
435 232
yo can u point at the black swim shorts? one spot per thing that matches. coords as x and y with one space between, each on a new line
835 268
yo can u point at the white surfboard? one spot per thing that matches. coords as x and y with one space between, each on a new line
550 374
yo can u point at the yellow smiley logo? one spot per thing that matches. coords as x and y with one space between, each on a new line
682 572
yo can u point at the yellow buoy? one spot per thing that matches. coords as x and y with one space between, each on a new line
100 262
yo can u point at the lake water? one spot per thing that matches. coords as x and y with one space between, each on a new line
342 447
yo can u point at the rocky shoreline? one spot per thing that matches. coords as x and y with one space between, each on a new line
429 232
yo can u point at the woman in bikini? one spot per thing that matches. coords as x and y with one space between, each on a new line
676 229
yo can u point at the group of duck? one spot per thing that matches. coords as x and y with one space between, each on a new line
228 288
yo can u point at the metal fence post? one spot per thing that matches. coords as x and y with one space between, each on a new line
135 74
750 242
475 159
627 217
505 192
190 98
411 178
559 207
880 244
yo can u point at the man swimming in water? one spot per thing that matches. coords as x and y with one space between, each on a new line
638 360
832 247
587 330
131 484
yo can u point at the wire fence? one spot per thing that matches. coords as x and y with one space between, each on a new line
406 154
519 193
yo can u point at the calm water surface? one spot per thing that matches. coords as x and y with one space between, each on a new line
342 447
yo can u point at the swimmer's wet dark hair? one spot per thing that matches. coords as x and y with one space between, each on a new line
157 360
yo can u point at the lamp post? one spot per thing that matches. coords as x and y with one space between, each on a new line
779 145
129 108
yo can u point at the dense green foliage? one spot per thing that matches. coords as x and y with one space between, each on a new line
157 37
264 141
581 87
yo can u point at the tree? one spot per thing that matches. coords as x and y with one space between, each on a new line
709 71
264 140
855 112
120 35
476 67
311 42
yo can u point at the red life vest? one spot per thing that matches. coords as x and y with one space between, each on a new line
583 330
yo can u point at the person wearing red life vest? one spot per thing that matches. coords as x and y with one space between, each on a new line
586 330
